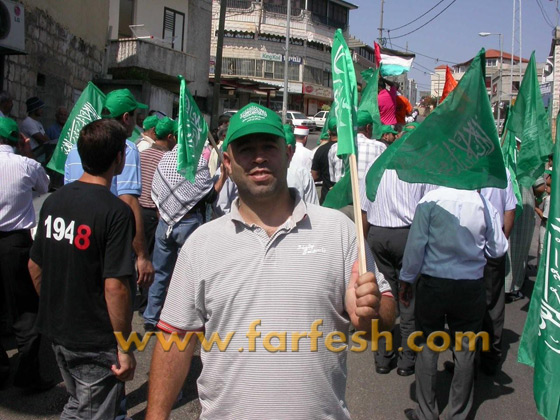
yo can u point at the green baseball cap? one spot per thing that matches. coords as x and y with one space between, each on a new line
290 138
165 126
331 123
9 129
120 101
363 118
150 122
253 119
387 129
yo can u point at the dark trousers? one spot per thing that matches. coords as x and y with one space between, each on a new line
493 323
461 303
387 246
22 303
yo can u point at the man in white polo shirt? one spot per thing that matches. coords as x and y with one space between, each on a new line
282 269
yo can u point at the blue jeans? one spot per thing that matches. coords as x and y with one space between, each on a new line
168 243
95 392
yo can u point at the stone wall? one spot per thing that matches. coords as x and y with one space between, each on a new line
56 68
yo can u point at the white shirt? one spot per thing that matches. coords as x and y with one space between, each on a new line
302 157
451 232
336 164
28 128
368 151
144 143
19 176
503 199
301 179
395 202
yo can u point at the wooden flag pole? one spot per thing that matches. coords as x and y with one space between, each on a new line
362 266
215 146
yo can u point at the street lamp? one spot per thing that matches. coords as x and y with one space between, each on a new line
499 72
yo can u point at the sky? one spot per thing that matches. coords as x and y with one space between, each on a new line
453 35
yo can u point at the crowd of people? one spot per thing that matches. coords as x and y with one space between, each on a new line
245 248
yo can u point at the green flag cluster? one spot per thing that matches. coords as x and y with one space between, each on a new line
192 134
455 146
509 150
529 122
87 109
345 107
540 342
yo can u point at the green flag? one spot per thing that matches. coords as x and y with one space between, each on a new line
345 90
529 122
345 107
368 102
456 145
192 135
87 109
540 342
509 150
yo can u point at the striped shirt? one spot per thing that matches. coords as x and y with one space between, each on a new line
368 151
287 281
149 159
395 202
336 164
127 182
172 193
19 176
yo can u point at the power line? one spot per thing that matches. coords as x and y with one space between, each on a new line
424 55
421 26
545 17
421 16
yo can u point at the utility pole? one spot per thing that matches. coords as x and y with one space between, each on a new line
381 23
218 67
286 62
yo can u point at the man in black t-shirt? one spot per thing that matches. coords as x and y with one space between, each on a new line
320 163
80 265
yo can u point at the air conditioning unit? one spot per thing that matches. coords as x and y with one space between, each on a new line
12 27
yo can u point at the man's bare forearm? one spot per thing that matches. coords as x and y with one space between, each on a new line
36 273
168 372
139 242
117 297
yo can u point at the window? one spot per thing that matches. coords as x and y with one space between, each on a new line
126 18
313 75
318 7
491 62
327 79
173 28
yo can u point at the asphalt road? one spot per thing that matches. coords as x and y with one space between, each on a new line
508 395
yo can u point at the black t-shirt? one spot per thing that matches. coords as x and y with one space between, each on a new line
84 236
321 164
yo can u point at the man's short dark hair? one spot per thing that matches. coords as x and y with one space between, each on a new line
99 143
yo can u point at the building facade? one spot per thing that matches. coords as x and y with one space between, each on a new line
254 53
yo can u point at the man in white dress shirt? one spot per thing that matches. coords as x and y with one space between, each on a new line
303 157
451 233
19 175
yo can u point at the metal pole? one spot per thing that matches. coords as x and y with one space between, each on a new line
286 61
381 22
500 81
218 68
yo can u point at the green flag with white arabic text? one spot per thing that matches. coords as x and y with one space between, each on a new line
529 122
368 102
455 146
540 342
87 109
192 134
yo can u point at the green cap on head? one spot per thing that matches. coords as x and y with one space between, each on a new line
253 119
331 123
120 101
363 118
9 129
290 138
150 122
387 129
164 127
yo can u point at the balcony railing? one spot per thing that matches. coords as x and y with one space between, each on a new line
325 20
239 4
283 10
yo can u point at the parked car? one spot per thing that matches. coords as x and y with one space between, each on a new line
296 118
320 118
